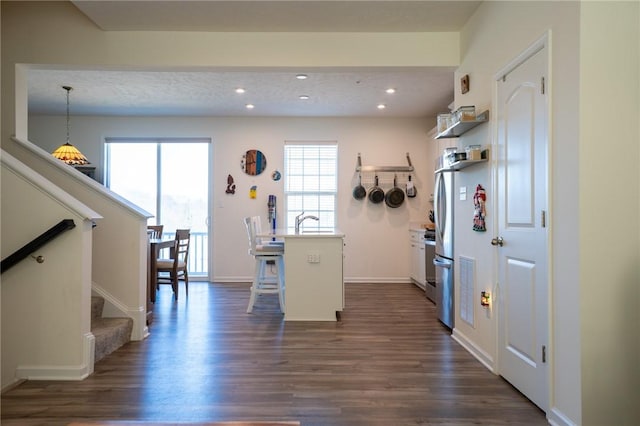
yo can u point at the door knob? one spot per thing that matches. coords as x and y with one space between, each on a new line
499 241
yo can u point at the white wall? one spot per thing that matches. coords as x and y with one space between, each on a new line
594 74
480 336
58 34
46 322
119 239
496 33
610 319
376 236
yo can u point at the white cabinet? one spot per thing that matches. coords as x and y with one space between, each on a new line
314 284
418 258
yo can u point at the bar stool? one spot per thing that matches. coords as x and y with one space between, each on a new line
264 283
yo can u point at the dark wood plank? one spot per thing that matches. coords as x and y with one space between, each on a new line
388 362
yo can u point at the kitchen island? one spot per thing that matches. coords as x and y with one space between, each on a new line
314 286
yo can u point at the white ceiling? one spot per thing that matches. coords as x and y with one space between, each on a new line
421 91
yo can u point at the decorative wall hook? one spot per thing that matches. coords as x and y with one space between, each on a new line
231 186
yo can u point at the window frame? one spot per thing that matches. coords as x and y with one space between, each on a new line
327 212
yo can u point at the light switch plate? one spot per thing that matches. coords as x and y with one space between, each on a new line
463 193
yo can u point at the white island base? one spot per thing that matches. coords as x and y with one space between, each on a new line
314 286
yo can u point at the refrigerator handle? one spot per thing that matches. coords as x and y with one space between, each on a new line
441 264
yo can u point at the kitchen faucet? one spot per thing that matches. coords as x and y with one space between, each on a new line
300 219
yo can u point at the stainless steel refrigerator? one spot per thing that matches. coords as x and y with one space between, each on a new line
443 260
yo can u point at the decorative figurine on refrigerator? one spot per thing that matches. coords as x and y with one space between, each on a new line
479 199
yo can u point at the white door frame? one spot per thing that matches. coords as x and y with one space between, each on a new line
541 43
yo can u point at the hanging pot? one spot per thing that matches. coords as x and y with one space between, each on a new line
411 189
376 194
359 192
395 196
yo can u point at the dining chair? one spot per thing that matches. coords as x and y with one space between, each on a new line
155 231
171 270
264 283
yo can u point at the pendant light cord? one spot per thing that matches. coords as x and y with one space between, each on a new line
68 89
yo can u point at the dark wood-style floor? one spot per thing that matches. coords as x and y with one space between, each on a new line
388 362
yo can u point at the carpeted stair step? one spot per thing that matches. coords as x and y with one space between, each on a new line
110 333
97 305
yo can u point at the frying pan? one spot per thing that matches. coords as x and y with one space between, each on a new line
376 194
359 192
395 196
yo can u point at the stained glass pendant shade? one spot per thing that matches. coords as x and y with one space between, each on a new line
67 152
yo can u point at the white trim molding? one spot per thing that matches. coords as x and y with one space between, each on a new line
64 372
114 308
484 358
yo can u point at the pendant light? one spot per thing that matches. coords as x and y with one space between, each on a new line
67 152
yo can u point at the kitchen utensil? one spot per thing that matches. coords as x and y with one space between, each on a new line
359 192
395 196
411 189
376 194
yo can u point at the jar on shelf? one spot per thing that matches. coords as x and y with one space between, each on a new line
444 122
474 152
466 113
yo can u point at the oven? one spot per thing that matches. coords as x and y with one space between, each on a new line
430 272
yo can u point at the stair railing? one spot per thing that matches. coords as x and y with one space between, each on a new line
41 240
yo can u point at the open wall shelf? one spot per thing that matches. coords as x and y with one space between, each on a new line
397 169
463 126
463 164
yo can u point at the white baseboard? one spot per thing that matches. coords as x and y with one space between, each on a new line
66 372
484 358
556 418
219 279
140 330
377 280
355 280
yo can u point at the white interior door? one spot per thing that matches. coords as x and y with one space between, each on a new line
521 241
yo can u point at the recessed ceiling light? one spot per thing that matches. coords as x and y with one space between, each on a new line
304 97
239 90
250 106
391 90
302 76
381 106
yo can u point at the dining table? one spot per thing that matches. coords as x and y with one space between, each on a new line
153 253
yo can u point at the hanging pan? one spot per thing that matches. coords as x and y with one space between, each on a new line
395 196
359 192
376 194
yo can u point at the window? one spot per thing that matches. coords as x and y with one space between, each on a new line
168 178
310 183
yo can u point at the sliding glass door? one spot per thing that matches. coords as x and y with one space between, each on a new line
169 178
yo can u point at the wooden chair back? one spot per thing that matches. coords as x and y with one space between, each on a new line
155 231
181 249
171 270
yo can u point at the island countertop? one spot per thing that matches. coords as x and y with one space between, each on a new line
288 233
